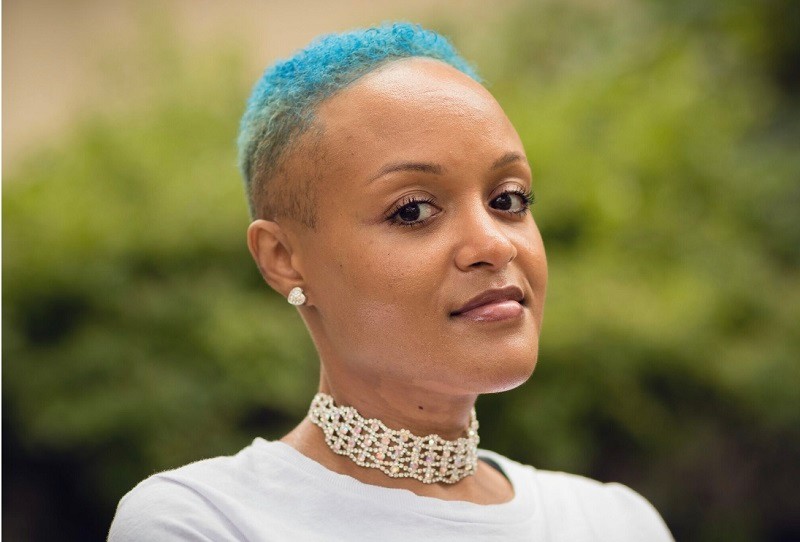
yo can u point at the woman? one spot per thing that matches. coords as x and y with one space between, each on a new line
390 197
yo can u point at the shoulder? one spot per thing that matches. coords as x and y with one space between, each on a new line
159 509
188 503
607 510
609 507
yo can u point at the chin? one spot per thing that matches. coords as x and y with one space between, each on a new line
505 365
509 377
506 373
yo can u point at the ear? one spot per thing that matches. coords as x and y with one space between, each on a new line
271 249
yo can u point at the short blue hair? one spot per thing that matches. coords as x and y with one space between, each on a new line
283 102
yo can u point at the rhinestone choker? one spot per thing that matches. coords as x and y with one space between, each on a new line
399 454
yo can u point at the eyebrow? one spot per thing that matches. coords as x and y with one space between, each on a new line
424 167
437 169
507 158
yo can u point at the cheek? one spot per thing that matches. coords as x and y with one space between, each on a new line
532 261
382 277
531 254
382 303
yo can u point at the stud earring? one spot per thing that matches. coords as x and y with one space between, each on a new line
296 297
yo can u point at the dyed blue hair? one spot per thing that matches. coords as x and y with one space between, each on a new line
282 104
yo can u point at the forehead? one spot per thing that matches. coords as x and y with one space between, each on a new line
413 109
413 83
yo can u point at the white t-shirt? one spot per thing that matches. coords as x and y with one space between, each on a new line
270 491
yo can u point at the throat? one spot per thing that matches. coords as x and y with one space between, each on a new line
486 487
397 453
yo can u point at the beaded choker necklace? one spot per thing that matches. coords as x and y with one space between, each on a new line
399 454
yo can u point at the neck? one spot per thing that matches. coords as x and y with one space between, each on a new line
398 408
422 412
398 454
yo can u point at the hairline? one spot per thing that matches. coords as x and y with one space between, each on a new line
262 175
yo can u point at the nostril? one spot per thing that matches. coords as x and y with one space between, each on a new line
483 244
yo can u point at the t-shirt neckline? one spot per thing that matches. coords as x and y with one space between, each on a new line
507 512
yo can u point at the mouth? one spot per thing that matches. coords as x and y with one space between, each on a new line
493 305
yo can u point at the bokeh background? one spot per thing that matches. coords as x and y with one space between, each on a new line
138 336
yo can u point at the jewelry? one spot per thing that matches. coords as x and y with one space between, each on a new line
399 454
296 296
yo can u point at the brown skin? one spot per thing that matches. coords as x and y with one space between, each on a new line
380 293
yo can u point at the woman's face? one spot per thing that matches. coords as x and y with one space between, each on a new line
421 214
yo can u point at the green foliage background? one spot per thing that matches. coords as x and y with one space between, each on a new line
138 335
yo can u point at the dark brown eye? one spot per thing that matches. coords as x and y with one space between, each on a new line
409 213
502 202
413 213
512 202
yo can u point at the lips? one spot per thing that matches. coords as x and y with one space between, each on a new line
497 303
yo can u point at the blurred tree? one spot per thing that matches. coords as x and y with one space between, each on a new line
139 336
668 171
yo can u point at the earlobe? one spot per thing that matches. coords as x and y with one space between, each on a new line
272 251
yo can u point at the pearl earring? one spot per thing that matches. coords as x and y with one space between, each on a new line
296 296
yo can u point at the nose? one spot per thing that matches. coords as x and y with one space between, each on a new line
483 243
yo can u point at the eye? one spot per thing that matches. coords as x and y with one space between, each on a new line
413 213
513 201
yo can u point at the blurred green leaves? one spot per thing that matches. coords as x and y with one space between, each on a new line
668 175
138 335
132 310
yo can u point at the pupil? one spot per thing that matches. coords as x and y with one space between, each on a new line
503 202
409 213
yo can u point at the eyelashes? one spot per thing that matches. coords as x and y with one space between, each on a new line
414 211
527 198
